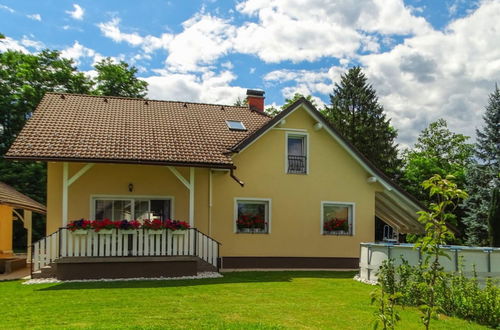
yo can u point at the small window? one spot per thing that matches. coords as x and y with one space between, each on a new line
252 216
337 218
235 125
296 154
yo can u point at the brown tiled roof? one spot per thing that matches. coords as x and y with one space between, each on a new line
11 197
113 129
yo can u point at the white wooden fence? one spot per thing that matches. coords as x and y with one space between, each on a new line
124 243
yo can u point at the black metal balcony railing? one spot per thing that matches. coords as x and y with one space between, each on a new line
297 164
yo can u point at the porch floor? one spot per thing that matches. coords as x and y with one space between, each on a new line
16 275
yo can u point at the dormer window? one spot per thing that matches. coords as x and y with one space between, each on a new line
296 155
235 125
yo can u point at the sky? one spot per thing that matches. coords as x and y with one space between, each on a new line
426 59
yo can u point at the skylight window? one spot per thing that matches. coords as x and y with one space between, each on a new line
235 125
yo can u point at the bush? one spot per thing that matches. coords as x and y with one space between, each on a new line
455 294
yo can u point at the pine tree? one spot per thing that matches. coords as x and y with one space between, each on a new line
482 177
357 115
494 219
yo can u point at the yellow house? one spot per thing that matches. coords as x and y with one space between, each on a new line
262 192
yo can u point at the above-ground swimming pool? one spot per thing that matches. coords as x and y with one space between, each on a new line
486 260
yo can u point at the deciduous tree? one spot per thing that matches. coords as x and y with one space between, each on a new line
118 79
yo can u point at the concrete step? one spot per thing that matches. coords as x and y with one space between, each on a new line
204 266
46 272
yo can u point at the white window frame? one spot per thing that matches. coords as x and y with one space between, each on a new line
93 198
252 199
236 129
353 215
305 136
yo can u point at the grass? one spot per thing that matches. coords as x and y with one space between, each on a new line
243 300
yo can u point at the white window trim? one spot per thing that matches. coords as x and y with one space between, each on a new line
302 134
130 197
353 216
252 199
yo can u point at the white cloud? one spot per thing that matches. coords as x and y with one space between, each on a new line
10 44
35 17
35 44
207 87
445 74
309 30
77 51
205 38
4 7
77 12
111 30
227 65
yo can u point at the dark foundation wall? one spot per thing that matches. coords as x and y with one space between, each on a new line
289 262
81 268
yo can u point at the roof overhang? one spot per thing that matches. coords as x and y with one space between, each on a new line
124 161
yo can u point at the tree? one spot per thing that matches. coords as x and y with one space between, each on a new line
483 175
297 96
357 115
241 102
446 194
118 80
24 79
437 151
494 219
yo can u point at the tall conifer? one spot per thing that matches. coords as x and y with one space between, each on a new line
483 176
356 113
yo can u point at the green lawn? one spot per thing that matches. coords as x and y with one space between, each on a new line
246 300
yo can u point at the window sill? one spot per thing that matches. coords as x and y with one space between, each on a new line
337 233
252 232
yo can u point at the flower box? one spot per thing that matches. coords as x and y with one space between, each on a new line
178 232
105 232
245 230
127 231
154 231
80 232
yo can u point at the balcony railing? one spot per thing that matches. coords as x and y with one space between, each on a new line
297 164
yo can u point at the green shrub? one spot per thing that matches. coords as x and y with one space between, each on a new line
455 294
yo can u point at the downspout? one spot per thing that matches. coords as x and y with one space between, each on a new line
210 202
231 173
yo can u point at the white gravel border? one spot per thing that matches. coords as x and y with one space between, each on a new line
362 280
201 275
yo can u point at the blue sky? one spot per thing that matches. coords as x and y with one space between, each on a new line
427 59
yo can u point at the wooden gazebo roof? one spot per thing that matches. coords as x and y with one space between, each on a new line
11 197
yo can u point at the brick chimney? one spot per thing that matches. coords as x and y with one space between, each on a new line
255 99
